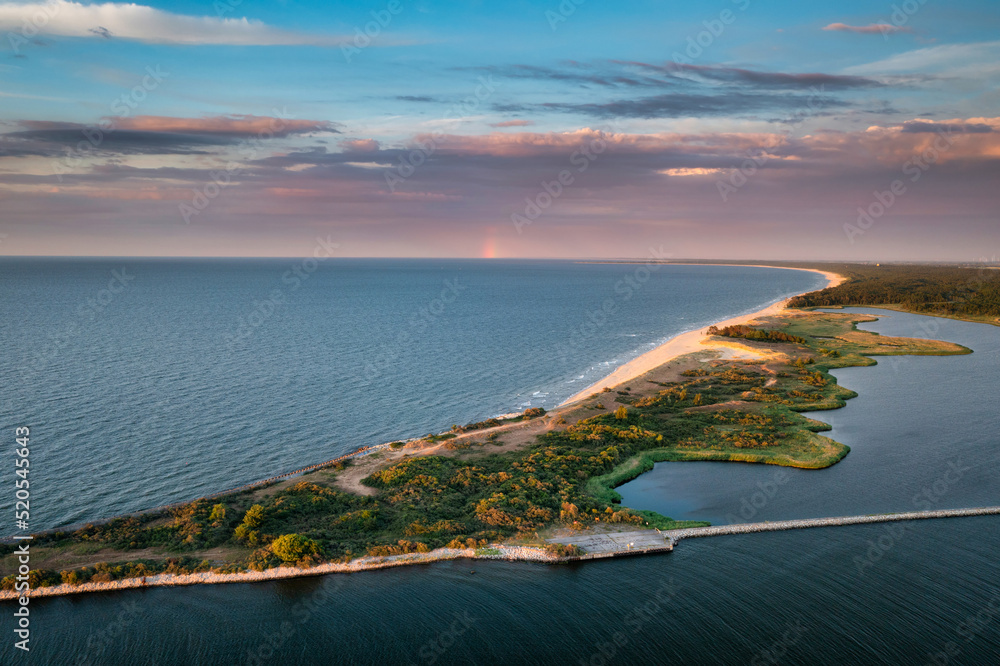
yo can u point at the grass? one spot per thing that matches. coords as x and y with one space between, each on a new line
732 411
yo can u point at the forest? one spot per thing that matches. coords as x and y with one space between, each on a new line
954 291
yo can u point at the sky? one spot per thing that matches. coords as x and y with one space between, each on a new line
728 129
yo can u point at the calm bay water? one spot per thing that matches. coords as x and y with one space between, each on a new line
923 434
857 594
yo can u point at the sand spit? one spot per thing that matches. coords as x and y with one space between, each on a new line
686 343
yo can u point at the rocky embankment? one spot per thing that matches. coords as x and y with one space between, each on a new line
493 552
779 525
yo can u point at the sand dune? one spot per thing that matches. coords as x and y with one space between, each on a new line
686 343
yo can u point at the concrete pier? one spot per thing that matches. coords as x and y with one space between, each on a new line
643 542
779 525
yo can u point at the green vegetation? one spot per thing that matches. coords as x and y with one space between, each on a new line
719 410
949 291
750 333
531 413
294 547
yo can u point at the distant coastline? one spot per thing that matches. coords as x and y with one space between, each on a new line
692 341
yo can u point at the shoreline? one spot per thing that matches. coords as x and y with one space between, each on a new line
505 552
368 563
691 341
683 343
679 345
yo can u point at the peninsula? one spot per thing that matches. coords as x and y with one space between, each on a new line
507 488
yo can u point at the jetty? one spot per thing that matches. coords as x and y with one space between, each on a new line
644 542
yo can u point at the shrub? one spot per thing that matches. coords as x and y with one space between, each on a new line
218 514
564 550
294 547
751 333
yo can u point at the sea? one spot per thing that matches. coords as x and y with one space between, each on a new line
149 381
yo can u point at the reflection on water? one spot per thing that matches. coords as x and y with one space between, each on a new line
923 434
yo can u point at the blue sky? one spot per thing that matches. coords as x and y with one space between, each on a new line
834 99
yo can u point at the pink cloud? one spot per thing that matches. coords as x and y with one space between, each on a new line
229 124
526 144
949 140
870 29
513 123
360 146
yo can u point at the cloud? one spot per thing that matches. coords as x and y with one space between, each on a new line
973 59
674 74
626 89
562 144
238 125
513 123
870 29
646 184
579 73
757 78
947 126
360 146
146 24
151 135
686 105
691 172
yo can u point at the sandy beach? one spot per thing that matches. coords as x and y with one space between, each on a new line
685 343
689 342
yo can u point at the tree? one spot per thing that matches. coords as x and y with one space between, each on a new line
247 530
218 514
621 413
294 547
254 516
